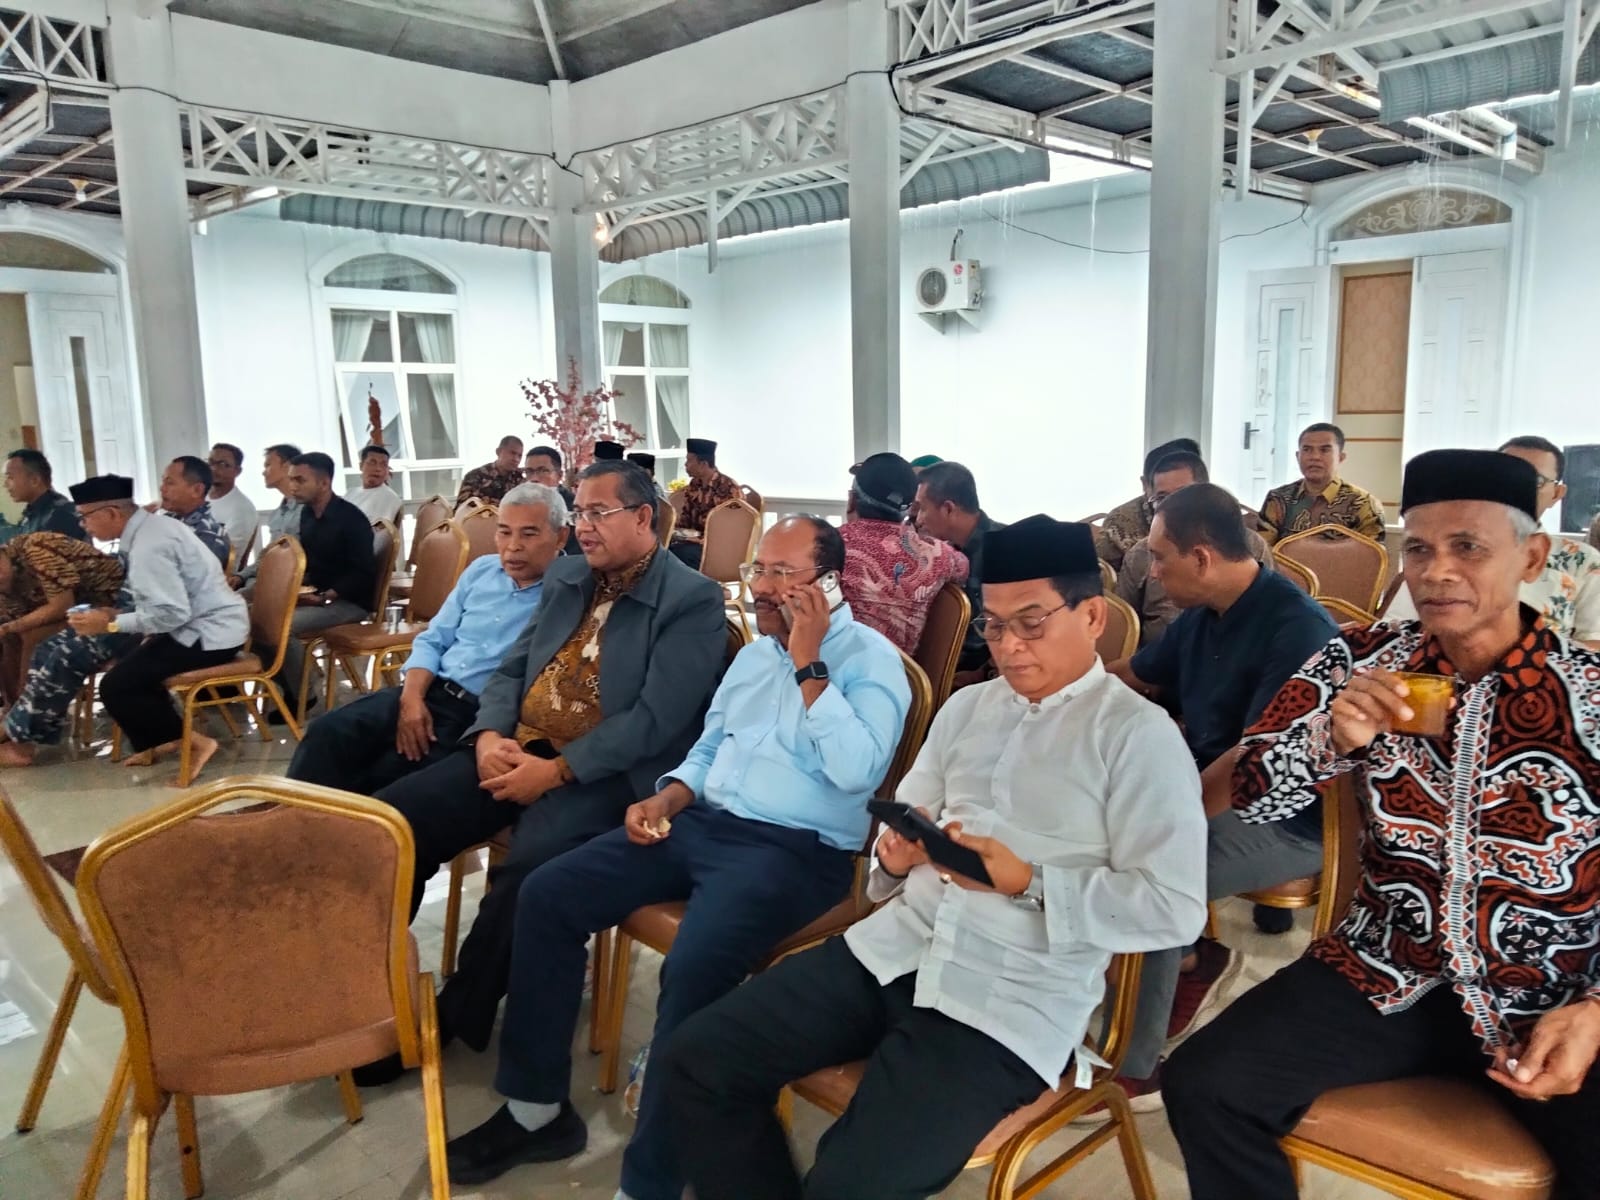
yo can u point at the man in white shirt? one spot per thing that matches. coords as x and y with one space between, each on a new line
285 519
237 512
375 497
967 1001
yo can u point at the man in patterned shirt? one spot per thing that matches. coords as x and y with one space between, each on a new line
41 576
1472 945
493 480
708 487
185 485
891 572
1319 496
1129 522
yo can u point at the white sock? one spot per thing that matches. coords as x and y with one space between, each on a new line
531 1115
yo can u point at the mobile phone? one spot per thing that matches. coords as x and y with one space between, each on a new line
831 592
914 827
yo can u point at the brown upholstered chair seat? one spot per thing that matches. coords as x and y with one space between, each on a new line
1449 1133
1303 888
371 637
657 924
245 664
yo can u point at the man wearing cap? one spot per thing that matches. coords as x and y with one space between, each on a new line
647 462
967 1001
181 616
708 487
1128 522
891 572
608 451
1471 948
494 479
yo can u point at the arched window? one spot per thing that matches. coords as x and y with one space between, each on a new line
1421 211
645 344
394 346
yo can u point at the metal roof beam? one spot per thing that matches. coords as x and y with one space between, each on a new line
551 42
1571 47
71 156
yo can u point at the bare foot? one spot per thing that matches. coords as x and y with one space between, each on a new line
201 748
153 755
16 754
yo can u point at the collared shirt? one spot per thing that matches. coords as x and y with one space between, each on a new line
1292 509
45 565
381 503
178 587
1092 784
767 757
240 521
1145 595
338 546
488 482
207 528
891 575
700 497
1480 864
1226 668
974 650
284 521
53 513
473 630
1566 594
1123 526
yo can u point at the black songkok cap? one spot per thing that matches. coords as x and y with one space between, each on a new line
640 458
1443 475
701 447
888 480
1039 547
608 451
99 488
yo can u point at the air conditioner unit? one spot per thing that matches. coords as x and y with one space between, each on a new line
951 287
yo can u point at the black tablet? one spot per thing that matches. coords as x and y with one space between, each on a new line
914 827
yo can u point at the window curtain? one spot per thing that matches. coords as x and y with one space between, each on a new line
669 345
351 331
433 412
672 398
614 332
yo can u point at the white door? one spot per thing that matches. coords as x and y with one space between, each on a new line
1288 335
1457 327
86 421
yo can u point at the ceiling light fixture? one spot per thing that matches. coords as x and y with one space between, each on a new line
602 231
80 189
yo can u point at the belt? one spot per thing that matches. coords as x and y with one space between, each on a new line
455 691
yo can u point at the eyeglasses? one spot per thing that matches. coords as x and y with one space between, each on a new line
1545 481
1029 626
593 516
750 572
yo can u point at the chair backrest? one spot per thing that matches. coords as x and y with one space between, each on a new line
249 548
1303 577
1343 827
284 929
666 522
278 577
729 540
1348 566
677 499
47 896
939 647
385 548
229 564
441 558
915 731
479 526
738 638
751 497
1343 612
1122 993
1108 577
468 506
1093 518
1121 636
431 513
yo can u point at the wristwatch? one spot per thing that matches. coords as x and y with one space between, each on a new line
817 670
1031 898
111 626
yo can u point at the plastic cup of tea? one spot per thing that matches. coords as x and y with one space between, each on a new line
1428 697
393 615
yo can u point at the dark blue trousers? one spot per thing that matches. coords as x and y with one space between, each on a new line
749 885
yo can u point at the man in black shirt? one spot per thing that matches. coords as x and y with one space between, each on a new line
340 565
947 508
1243 633
28 482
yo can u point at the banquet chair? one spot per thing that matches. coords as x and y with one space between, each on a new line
1348 566
1121 636
939 647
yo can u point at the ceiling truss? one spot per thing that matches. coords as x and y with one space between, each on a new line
44 49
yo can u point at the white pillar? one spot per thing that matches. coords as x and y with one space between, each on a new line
574 256
155 226
1185 183
872 125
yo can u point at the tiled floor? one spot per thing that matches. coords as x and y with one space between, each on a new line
293 1143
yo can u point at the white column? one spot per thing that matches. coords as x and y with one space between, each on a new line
156 229
574 256
872 125
1185 184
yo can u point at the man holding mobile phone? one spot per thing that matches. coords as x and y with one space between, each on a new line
967 1000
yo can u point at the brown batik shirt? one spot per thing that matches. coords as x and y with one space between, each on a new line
488 483
49 564
700 498
1123 526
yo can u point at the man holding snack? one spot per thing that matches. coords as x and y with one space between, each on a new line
758 829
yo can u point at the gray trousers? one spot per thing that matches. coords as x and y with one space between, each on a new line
1239 858
310 619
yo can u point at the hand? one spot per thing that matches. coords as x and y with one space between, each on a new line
92 622
309 599
1010 874
414 736
897 854
808 611
1558 1055
649 821
497 754
236 582
526 782
1373 702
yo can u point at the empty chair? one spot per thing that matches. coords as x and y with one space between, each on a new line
1301 576
939 648
1347 565
1121 636
479 526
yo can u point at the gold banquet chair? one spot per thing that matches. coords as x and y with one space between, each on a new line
278 954
385 548
1121 636
732 530
939 647
431 513
1303 577
1347 565
479 525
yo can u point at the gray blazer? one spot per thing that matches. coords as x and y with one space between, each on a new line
664 646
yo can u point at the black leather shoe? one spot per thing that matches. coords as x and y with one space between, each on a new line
376 1074
1273 920
499 1144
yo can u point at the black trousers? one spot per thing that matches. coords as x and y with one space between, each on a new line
688 553
353 747
932 1090
448 813
1248 1077
134 691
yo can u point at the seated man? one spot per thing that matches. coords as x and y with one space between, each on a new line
966 1001
891 572
185 488
1136 583
494 479
1471 948
948 509
373 495
602 693
1130 521
708 487
28 480
1319 497
371 742
285 518
1243 633
232 508
757 829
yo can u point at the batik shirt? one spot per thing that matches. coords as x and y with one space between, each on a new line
208 529
488 483
45 564
1480 855
699 498
891 575
1292 509
1123 526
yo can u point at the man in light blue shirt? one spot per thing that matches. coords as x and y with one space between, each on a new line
368 744
757 828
